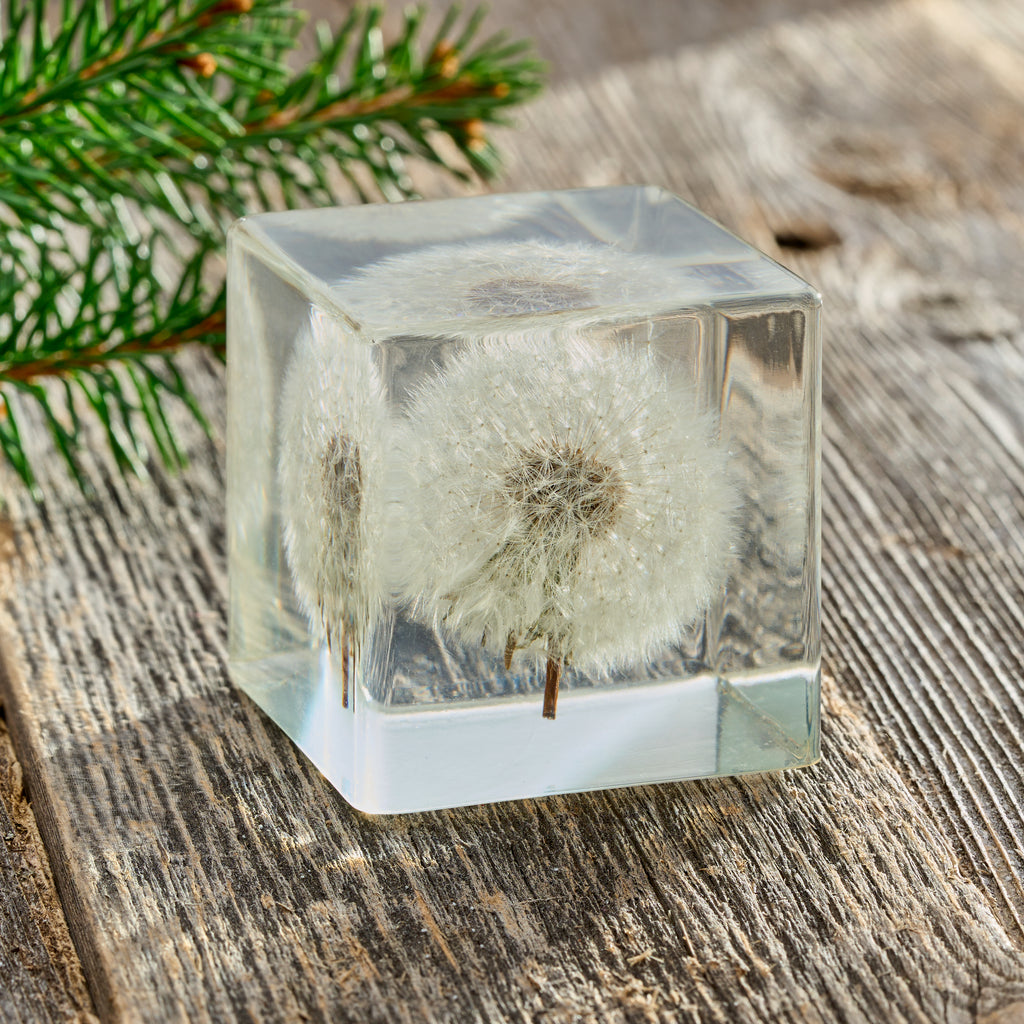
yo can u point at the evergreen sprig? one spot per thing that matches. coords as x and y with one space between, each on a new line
131 136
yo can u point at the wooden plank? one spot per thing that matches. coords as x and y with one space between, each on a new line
902 203
219 878
41 976
210 874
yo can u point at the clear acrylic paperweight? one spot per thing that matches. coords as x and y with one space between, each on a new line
523 495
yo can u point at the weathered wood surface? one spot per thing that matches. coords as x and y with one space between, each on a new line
885 148
579 38
207 871
41 980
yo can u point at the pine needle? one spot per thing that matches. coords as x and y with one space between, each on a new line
137 130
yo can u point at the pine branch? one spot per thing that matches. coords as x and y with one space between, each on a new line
133 136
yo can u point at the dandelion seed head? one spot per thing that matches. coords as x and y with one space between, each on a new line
508 296
460 289
557 489
343 476
330 470
568 501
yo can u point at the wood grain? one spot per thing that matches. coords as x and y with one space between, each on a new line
209 873
42 977
908 206
580 38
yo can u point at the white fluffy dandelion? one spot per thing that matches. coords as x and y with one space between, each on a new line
330 469
569 503
461 289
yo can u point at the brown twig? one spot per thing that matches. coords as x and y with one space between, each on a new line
352 109
96 355
406 96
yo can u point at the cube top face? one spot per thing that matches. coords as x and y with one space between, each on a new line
523 495
608 250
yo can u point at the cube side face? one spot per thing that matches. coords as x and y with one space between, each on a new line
499 457
766 630
274 655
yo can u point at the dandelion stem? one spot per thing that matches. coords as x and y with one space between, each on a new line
344 664
554 677
510 649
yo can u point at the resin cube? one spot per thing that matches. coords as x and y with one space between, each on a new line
523 495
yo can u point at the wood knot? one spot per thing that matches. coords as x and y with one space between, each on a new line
807 236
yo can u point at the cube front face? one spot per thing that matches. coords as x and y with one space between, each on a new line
523 495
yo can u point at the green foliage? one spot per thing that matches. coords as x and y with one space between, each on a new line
137 130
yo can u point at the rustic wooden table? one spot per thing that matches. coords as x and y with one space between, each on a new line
206 872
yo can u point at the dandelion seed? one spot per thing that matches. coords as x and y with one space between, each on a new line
569 504
334 429
492 280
